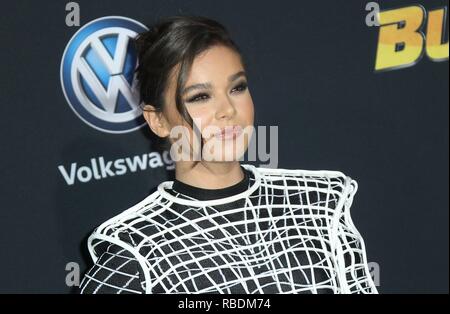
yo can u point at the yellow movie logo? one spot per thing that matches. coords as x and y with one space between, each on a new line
405 34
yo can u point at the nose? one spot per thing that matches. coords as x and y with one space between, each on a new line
225 110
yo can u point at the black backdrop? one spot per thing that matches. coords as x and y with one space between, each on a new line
311 74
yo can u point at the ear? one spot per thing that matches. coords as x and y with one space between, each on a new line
156 120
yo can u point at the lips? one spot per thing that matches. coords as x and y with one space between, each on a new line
229 132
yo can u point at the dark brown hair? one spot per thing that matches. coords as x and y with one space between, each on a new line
171 41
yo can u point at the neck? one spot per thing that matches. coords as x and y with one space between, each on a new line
209 175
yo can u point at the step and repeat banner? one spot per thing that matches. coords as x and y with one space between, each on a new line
355 86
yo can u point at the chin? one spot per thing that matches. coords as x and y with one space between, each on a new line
228 151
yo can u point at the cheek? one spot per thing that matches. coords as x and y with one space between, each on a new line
246 110
201 115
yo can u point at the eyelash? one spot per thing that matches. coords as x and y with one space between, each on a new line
242 87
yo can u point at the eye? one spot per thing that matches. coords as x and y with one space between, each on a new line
241 87
201 97
198 97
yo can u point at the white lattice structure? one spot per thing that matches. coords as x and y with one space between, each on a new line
290 232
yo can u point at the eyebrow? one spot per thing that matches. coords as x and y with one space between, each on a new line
208 85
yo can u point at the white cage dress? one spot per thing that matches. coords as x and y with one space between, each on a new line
276 231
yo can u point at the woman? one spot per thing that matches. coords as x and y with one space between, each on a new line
222 227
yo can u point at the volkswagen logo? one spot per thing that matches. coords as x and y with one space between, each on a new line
97 74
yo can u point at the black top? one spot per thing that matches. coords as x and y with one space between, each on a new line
276 238
210 194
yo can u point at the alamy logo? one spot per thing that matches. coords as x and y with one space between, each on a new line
97 74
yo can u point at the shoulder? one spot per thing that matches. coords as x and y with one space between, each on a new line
304 175
319 183
122 230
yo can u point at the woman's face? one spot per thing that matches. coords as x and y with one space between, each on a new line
217 98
